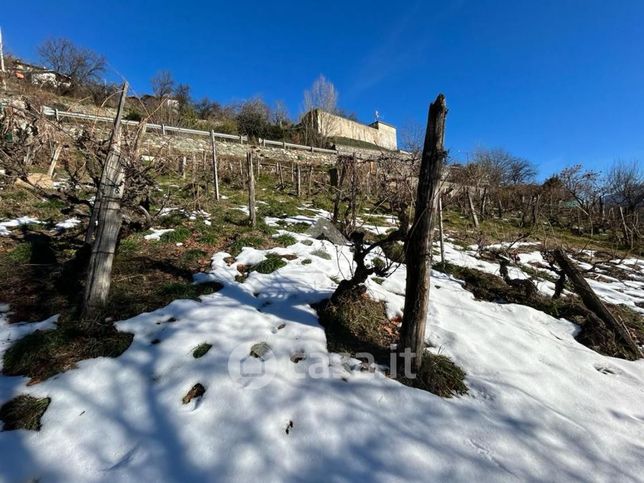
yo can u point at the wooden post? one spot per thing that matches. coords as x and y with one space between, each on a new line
114 140
251 189
472 210
337 180
54 159
182 167
108 219
628 239
310 181
281 175
298 186
592 302
419 245
440 227
215 167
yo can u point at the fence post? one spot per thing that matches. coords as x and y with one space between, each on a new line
298 187
163 129
440 228
419 244
54 160
215 167
281 176
251 189
57 115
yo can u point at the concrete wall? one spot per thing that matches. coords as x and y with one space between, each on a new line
330 125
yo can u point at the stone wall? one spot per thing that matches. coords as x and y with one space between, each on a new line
155 144
330 125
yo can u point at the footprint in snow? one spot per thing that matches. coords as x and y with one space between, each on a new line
607 370
274 330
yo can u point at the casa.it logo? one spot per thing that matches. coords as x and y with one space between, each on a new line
251 367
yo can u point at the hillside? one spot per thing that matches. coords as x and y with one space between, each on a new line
239 342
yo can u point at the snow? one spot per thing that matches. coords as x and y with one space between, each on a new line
23 220
157 232
67 224
541 406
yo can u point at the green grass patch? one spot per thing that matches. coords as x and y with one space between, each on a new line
285 240
23 412
42 354
438 375
201 350
179 235
184 290
253 241
356 323
20 254
299 227
192 255
273 262
173 219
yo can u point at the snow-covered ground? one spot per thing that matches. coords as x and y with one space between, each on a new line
541 406
23 220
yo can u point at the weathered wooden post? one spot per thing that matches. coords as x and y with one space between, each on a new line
215 167
54 160
108 223
298 186
593 302
440 227
419 245
182 167
251 189
475 219
281 175
310 181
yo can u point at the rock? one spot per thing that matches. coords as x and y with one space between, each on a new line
297 357
259 350
197 391
323 229
40 180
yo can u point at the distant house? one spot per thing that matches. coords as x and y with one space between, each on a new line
38 75
153 102
333 126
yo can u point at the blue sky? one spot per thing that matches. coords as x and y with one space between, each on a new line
558 82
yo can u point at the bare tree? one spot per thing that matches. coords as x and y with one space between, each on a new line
253 118
625 182
584 187
82 65
280 116
322 95
320 101
411 136
162 84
